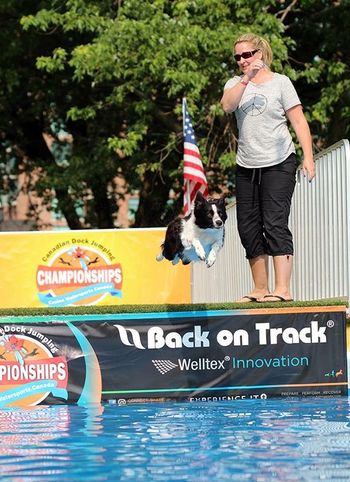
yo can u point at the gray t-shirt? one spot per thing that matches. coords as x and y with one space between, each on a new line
264 137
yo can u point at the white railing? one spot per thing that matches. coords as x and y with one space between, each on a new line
320 222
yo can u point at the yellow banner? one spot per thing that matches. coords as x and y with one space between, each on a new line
75 268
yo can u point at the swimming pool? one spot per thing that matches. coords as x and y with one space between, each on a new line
245 440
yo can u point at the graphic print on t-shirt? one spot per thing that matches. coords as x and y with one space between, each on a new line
254 104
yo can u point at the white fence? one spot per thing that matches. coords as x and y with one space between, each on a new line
320 222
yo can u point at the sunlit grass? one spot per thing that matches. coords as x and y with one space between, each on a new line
93 310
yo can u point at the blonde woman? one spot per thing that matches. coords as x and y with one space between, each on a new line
263 102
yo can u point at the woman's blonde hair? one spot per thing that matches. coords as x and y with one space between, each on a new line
259 43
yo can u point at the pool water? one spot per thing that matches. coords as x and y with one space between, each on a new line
244 440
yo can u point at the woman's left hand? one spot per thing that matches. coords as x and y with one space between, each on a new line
308 168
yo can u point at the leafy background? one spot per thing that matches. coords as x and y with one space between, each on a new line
104 81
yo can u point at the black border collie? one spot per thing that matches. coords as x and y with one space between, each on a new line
198 236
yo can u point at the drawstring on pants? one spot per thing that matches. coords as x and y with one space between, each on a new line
253 175
253 179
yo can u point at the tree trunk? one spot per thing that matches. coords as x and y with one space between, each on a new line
36 148
154 195
66 205
103 208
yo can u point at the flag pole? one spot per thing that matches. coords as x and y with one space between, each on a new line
187 191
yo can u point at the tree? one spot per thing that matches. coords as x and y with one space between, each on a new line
113 74
322 60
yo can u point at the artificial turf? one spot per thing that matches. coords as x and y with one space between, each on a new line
94 310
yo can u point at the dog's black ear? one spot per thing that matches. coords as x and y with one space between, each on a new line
199 198
222 201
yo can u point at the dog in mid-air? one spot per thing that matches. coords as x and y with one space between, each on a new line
198 236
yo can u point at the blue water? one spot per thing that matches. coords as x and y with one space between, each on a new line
244 440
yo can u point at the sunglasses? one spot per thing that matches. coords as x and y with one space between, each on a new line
244 55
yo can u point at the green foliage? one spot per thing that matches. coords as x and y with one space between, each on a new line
127 146
54 63
115 74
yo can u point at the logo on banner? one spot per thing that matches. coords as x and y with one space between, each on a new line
157 338
29 369
78 274
164 366
189 364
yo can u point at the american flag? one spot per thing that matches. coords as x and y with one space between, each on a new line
194 175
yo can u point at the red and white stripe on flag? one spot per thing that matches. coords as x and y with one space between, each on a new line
194 175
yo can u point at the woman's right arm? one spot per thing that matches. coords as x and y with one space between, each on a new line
232 96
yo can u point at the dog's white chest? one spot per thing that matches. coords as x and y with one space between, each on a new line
192 236
190 232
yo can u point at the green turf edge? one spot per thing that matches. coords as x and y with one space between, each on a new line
110 309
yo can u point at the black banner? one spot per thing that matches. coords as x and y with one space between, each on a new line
194 356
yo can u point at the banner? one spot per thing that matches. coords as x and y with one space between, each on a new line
193 356
74 268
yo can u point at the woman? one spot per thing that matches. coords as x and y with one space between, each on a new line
263 102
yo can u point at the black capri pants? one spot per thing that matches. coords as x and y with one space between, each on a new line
264 198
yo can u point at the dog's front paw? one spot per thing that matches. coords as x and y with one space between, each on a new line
175 260
210 259
200 253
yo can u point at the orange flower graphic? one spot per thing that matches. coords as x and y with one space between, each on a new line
13 344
